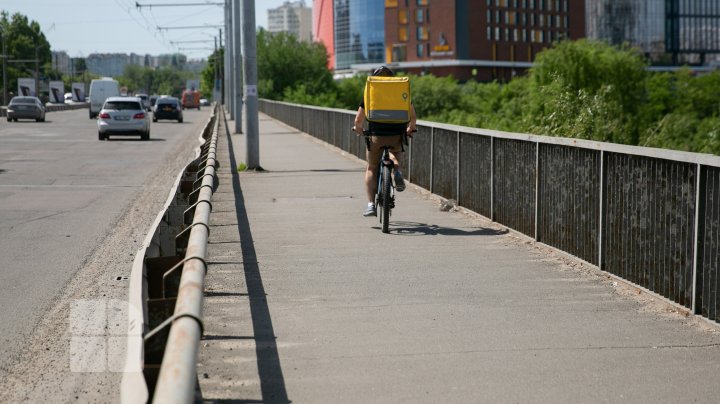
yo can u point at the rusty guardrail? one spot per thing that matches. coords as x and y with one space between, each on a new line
649 216
166 287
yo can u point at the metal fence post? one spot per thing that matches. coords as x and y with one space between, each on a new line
601 218
696 237
537 187
457 169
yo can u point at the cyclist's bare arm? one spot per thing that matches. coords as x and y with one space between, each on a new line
359 119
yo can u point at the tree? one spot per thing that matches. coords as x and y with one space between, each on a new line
588 89
284 62
23 40
207 76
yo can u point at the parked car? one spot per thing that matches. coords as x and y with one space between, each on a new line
167 108
204 102
23 107
100 90
123 116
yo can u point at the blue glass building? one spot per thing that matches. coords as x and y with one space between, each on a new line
359 32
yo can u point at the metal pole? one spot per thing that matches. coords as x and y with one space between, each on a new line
4 71
237 66
37 72
229 55
252 138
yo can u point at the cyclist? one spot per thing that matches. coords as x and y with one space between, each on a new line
384 134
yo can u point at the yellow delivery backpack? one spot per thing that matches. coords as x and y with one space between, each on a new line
387 99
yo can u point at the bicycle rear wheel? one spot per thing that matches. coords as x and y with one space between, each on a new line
386 198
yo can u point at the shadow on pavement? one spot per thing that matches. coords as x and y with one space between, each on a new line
272 382
422 229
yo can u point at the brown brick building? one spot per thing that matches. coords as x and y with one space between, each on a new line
480 39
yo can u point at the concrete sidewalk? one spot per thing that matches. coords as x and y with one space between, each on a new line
308 302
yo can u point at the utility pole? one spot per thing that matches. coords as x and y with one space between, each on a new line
252 135
237 66
37 72
4 70
219 73
229 58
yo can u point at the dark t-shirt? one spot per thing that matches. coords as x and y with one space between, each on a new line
385 129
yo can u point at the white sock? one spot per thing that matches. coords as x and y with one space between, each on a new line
371 205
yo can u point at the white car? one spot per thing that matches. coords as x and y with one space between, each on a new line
123 116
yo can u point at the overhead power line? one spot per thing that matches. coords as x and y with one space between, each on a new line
196 41
191 27
138 5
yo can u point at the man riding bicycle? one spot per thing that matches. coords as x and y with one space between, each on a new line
383 134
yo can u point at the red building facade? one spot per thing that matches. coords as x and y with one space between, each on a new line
323 27
476 39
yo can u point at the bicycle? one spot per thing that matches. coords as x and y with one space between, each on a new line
385 192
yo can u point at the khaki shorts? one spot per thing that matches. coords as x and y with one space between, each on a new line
377 142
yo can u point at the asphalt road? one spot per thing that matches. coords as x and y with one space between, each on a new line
61 194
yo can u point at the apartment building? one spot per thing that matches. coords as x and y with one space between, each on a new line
667 31
482 39
292 17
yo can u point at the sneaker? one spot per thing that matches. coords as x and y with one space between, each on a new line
370 211
399 182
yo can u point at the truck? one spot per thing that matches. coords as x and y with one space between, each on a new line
191 99
100 90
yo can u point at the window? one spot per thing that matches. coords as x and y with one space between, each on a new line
497 34
516 37
512 18
419 14
420 49
422 34
489 34
402 34
497 17
422 2
402 16
390 3
399 53
489 17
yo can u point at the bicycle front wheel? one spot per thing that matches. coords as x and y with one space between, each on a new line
386 198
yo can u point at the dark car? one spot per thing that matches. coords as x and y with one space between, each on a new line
25 108
167 108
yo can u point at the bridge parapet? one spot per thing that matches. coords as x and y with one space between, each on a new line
649 216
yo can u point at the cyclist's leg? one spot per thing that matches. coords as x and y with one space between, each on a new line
371 181
396 155
371 172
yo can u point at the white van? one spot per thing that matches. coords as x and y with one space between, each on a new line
100 90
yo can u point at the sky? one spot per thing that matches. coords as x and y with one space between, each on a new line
82 27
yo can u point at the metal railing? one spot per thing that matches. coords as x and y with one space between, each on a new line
649 216
166 287
53 107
